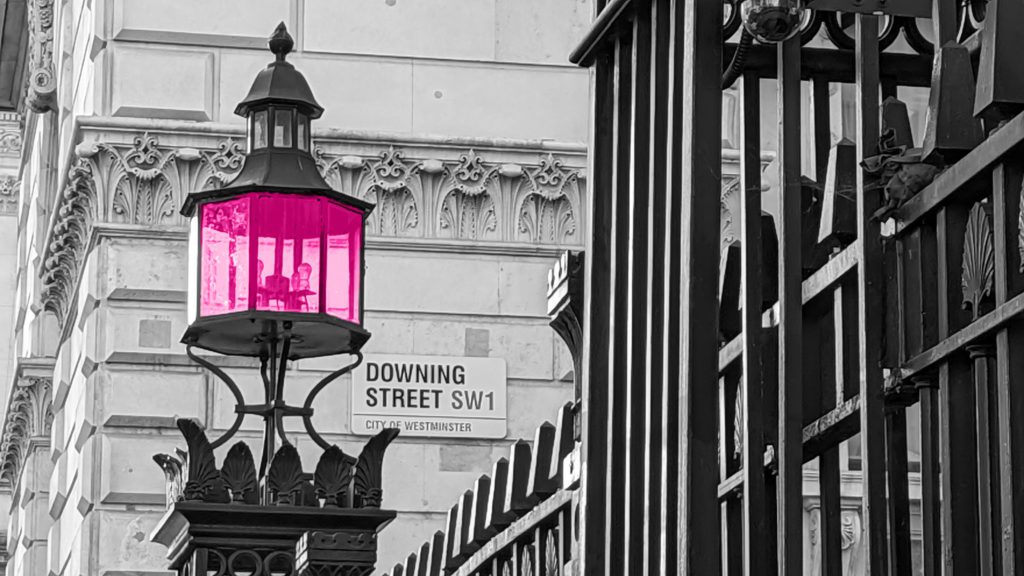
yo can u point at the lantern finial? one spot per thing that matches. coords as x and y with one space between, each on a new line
281 42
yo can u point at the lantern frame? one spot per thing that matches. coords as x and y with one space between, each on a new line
279 163
246 332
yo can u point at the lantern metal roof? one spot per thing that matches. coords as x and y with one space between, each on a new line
280 81
277 169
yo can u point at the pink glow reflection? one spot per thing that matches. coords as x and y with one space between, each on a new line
306 256
288 258
225 257
344 246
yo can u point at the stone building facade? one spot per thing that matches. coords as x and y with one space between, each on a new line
460 120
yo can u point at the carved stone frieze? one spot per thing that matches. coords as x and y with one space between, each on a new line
141 181
41 79
28 419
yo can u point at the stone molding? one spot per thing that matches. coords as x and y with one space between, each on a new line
27 421
428 193
41 81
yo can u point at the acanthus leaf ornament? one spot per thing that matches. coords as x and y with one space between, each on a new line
979 263
548 203
28 418
65 251
391 181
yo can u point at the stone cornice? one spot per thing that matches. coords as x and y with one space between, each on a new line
28 418
108 126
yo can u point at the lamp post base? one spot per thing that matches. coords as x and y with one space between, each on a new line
235 539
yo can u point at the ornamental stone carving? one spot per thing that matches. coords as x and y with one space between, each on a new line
10 189
10 142
28 420
41 79
467 211
548 206
389 181
142 183
68 239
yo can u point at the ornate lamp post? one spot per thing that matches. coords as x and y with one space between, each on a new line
275 272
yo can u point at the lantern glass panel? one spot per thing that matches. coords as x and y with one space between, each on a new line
287 276
283 128
259 130
344 262
302 132
224 246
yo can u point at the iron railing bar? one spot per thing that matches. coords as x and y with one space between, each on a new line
837 425
817 284
538 516
610 16
977 330
971 166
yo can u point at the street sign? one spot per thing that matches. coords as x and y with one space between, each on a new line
430 396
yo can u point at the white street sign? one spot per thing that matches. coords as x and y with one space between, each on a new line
430 396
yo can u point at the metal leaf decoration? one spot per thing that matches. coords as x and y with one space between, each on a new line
552 563
173 469
202 480
239 474
979 265
368 469
333 477
526 560
285 476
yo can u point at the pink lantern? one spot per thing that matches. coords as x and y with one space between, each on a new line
276 252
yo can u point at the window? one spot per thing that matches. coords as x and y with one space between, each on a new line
283 128
259 130
302 132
